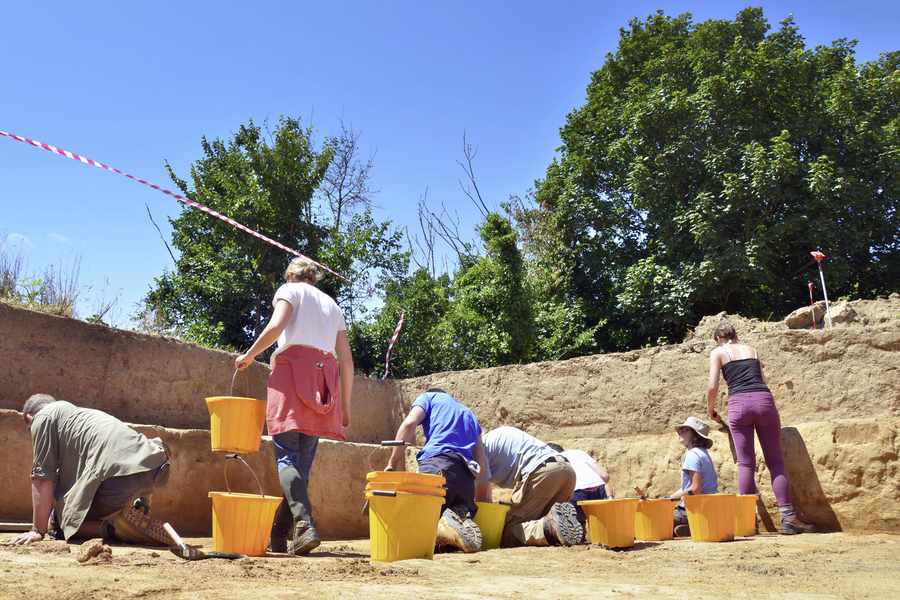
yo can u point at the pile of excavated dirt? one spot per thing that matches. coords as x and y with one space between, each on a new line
809 566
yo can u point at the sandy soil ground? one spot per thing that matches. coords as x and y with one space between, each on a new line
809 566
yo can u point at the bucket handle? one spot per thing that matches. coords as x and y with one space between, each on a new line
240 458
233 379
385 444
390 494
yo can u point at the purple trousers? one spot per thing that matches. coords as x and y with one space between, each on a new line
756 411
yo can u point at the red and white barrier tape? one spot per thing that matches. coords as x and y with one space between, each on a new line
178 197
394 338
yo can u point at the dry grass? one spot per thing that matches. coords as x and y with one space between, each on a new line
55 291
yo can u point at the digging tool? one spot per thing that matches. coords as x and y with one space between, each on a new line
183 550
642 494
761 509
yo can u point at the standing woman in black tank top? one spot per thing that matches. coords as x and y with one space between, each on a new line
751 407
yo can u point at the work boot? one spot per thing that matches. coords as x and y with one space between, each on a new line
458 532
793 525
305 540
135 527
562 527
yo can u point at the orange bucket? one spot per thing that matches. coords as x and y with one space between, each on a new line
711 517
745 517
242 523
235 423
653 520
610 523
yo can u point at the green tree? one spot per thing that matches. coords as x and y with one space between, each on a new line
424 300
707 161
221 289
489 321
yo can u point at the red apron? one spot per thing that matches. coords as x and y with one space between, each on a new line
304 394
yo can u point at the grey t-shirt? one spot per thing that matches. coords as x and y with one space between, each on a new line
512 455
80 448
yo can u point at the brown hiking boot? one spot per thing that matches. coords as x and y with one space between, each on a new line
305 540
793 526
562 527
455 532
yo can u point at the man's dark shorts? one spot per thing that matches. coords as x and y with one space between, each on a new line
460 483
117 493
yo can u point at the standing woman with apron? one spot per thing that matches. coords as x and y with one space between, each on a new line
308 394
751 407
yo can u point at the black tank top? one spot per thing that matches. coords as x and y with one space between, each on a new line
743 375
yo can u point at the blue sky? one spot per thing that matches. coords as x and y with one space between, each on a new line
136 83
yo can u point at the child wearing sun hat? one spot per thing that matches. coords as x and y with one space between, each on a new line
698 473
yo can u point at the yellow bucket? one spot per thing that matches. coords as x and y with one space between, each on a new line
491 518
402 526
242 523
405 478
408 488
711 517
745 517
610 523
236 423
653 520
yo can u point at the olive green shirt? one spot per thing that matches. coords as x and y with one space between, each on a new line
80 448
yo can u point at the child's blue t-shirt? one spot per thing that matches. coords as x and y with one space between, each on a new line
698 459
449 426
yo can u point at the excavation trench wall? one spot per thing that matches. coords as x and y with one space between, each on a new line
838 392
141 378
336 489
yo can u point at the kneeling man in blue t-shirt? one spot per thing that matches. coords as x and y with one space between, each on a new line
452 449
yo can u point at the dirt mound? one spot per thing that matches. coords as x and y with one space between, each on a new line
855 313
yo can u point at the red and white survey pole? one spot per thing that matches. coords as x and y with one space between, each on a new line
819 258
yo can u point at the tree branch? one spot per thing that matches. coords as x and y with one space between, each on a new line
159 231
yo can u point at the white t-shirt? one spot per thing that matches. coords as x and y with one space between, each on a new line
587 471
316 320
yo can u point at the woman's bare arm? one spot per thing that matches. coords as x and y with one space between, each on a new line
712 385
280 319
345 363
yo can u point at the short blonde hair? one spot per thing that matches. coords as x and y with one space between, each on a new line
302 269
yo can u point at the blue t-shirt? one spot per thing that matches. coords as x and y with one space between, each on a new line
697 459
449 426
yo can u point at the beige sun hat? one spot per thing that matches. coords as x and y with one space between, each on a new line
699 427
